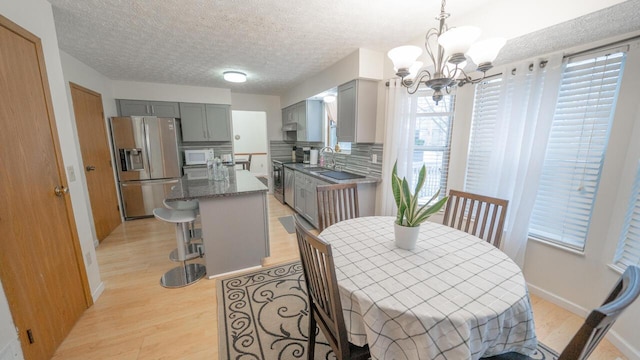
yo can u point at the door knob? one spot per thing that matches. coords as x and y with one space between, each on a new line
60 191
90 168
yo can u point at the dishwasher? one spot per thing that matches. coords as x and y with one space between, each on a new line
289 178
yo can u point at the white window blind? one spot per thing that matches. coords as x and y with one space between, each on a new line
575 151
483 131
432 140
628 251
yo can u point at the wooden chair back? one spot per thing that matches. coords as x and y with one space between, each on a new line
601 319
322 291
336 203
478 215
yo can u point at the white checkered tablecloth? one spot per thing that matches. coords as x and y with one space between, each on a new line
453 297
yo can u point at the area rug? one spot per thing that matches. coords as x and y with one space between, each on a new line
287 222
263 315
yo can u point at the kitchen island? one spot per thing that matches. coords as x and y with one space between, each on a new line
234 218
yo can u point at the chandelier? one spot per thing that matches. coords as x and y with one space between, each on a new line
448 50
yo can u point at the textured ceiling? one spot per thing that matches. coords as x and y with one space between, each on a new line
278 43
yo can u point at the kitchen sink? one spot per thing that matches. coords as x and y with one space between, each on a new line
316 169
341 175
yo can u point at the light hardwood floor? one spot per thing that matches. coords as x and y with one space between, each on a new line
136 318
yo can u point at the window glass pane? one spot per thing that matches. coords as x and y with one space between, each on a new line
575 151
432 143
628 251
483 130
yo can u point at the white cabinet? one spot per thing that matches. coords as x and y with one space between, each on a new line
357 102
205 122
306 199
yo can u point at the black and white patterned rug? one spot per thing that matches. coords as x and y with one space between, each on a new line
262 315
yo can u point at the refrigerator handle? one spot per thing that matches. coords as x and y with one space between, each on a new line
147 144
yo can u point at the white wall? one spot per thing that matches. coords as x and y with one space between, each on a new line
361 64
169 92
250 128
36 16
267 103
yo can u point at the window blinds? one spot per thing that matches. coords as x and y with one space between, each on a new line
628 251
483 131
575 151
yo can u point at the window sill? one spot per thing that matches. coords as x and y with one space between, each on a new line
615 268
556 246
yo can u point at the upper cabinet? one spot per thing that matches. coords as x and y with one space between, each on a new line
357 102
148 108
303 121
205 122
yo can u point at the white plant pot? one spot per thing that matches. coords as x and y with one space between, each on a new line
406 237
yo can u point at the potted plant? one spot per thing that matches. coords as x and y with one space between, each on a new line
410 216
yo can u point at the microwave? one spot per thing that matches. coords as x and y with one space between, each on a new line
197 157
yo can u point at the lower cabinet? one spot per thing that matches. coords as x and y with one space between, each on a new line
306 200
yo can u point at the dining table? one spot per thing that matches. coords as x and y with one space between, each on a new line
454 296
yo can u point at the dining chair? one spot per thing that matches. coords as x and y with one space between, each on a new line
336 202
248 164
482 216
324 297
598 322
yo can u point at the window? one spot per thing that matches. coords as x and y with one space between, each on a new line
432 141
628 252
575 150
482 140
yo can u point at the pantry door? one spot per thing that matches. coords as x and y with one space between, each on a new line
41 265
96 157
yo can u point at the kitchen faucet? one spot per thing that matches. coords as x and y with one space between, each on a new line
333 156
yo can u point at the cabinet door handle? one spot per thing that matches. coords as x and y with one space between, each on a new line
152 109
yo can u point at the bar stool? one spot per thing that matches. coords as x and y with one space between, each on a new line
187 273
194 249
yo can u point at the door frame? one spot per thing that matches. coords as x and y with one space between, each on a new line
75 240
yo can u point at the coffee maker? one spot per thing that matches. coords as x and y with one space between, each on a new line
306 154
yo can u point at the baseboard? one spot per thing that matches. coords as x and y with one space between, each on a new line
96 294
627 349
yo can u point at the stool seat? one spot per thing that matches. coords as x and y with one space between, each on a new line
175 216
186 274
182 204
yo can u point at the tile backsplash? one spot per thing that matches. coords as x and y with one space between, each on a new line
358 161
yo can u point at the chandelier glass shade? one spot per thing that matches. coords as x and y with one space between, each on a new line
448 50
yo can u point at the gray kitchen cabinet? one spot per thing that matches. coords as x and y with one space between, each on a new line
357 102
148 108
205 122
306 199
303 121
309 120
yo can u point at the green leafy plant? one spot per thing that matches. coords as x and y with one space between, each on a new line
409 214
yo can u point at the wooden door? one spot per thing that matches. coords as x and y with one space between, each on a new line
41 264
96 156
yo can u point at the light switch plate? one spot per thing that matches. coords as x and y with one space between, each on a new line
374 158
72 173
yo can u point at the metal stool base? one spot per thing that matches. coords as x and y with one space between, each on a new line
194 251
182 276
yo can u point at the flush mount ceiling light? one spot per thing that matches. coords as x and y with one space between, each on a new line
235 76
329 98
448 50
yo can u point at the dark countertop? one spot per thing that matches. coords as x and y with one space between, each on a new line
240 182
303 168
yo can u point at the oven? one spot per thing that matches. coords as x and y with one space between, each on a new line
278 180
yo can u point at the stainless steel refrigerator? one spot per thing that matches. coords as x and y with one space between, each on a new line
148 161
